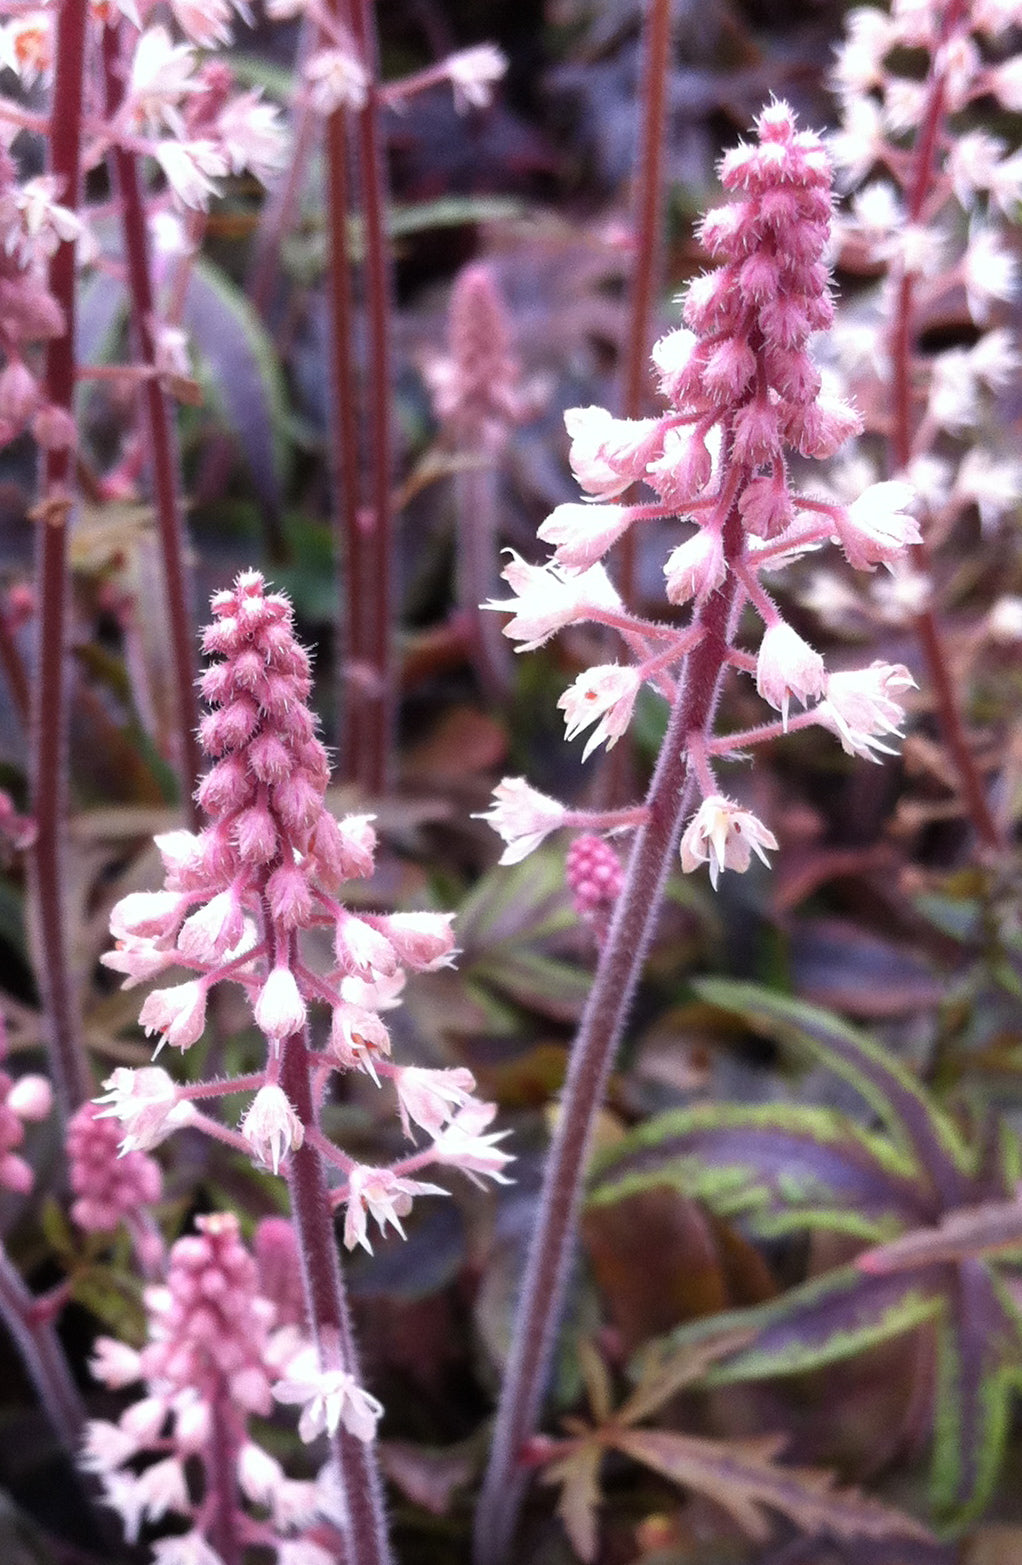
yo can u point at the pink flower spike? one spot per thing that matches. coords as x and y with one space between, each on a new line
604 695
725 836
431 1097
379 1194
522 816
178 1014
280 1009
787 666
271 1127
582 534
328 1398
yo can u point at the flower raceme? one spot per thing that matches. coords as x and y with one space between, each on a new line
744 394
240 897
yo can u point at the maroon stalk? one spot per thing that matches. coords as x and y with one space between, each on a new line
621 959
373 689
647 238
927 625
327 1310
35 1336
48 871
124 169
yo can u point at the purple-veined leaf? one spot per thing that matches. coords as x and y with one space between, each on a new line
922 1131
966 1233
777 1167
744 1478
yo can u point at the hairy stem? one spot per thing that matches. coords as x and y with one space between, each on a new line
927 625
124 169
327 1310
48 870
221 1464
617 975
42 1355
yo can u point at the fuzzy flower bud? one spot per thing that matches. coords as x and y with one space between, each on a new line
271 1127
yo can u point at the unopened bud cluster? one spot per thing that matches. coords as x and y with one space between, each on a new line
743 392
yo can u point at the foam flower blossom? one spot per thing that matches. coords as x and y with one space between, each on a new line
724 836
605 696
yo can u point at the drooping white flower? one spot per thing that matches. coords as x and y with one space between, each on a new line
191 168
549 598
989 272
604 695
328 1398
336 79
724 836
582 534
522 816
859 706
148 1105
787 666
379 1194
696 568
271 1127
462 1144
280 1009
177 1013
162 74
431 1097
877 527
472 74
608 454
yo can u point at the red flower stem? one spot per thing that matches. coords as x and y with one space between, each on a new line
48 869
647 237
927 625
621 958
326 1304
282 200
13 665
220 1460
35 1337
371 765
124 171
350 541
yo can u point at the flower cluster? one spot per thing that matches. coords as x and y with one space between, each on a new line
238 900
218 1342
22 1101
743 392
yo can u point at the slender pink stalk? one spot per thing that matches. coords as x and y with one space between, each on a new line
647 236
372 690
35 1336
124 168
50 711
927 624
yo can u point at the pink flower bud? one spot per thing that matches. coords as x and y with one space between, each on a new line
271 1127
280 1009
787 666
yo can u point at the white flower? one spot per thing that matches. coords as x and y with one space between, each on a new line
582 534
989 272
259 1473
114 1364
162 73
472 73
26 46
213 929
725 836
604 695
876 527
423 941
696 567
178 1014
253 136
859 707
280 1009
188 166
145 914
336 79
463 1145
994 486
356 1036
162 1488
329 1397
522 816
271 1127
431 1097
382 1195
608 454
973 161
1004 622
302 1551
147 1104
549 598
787 666
106 1446
362 949
189 1548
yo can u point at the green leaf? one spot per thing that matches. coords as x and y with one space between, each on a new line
114 1297
242 370
923 1133
779 1167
